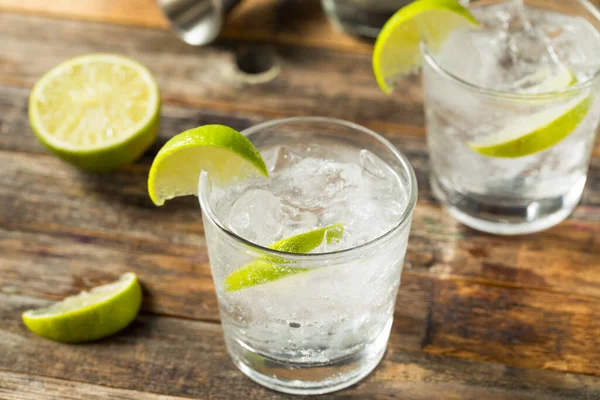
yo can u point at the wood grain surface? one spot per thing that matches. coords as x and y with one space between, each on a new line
294 22
478 316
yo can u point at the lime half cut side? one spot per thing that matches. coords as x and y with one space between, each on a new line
97 111
397 52
270 269
91 315
226 154
526 136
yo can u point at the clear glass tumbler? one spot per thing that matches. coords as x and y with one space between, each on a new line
325 329
363 18
522 194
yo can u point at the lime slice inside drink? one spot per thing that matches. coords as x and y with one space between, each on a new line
98 111
546 80
91 315
535 133
270 269
223 152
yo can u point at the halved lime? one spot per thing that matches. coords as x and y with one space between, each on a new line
223 152
270 269
97 111
397 50
91 315
535 133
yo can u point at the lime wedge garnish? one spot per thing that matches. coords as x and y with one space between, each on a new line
223 152
535 133
91 315
397 51
269 269
97 111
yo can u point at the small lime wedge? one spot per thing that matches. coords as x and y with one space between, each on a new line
269 269
397 51
97 111
91 315
223 152
536 133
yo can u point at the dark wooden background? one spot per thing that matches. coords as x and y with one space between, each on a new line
478 316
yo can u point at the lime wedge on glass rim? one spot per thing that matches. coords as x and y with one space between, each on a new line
397 49
97 111
227 156
397 53
91 315
269 269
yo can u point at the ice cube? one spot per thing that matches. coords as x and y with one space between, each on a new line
510 45
313 182
380 182
279 158
365 220
297 219
461 56
577 44
373 165
256 216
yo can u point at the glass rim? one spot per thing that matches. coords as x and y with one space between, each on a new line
573 89
403 221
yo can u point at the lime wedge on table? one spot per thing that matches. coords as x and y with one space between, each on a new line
97 111
223 152
397 51
267 270
91 315
535 133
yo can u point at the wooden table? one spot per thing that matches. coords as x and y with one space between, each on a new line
478 316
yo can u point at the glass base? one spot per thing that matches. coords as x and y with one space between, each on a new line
493 216
308 378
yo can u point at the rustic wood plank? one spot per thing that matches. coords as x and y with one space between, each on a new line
136 12
54 264
95 207
15 386
515 326
15 134
291 22
50 197
438 311
187 358
56 213
311 82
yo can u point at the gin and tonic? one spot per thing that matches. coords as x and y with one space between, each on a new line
317 322
512 113
511 103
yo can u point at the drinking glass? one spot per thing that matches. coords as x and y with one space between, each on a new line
526 193
325 328
363 18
